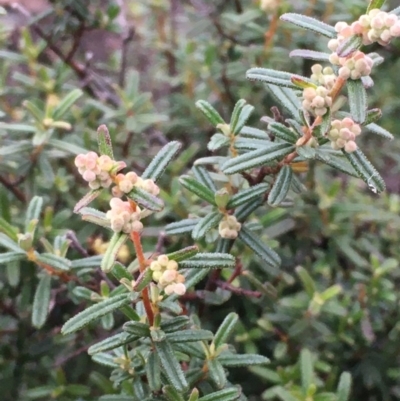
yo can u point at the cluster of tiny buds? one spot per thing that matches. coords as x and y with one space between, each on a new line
317 100
269 5
96 170
323 76
355 66
229 227
343 134
165 274
126 182
376 26
123 218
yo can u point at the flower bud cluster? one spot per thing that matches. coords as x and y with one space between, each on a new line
123 218
126 182
165 273
355 66
343 134
317 100
269 5
96 170
323 76
229 227
376 26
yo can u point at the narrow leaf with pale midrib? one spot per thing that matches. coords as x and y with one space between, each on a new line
104 140
161 160
209 260
185 336
225 329
94 312
358 101
198 189
310 24
247 195
216 373
170 365
41 301
236 360
227 394
209 111
207 223
115 341
180 227
146 199
115 244
281 186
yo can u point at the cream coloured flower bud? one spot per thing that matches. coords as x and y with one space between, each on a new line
168 276
172 265
116 192
163 260
155 266
94 185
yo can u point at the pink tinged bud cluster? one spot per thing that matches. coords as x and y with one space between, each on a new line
323 76
317 100
95 169
229 227
123 218
376 26
355 66
126 182
343 134
165 274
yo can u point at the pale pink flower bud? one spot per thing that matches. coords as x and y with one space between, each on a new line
395 29
94 185
137 226
105 163
89 176
344 72
80 161
163 260
116 192
168 276
340 143
91 160
350 147
309 94
172 265
321 111
179 289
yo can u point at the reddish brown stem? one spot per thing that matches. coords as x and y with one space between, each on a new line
135 237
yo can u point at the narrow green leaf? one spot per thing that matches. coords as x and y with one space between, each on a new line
216 373
281 186
358 101
254 133
235 360
238 121
104 140
184 253
209 260
89 197
204 177
307 281
172 394
337 162
91 261
344 387
195 276
66 103
227 394
9 230
35 111
7 257
180 227
366 171
217 141
55 261
120 272
197 188
153 371
13 270
137 328
310 24
207 223
175 324
243 144
8 243
375 4
283 132
95 216
94 312
170 366
349 45
109 258
310 54
209 111
17 127
225 329
41 301
146 199
306 369
66 146
33 212
194 395
256 158
184 336
273 77
105 359
376 129
161 160
115 341
244 211
373 115
288 99
190 349
247 195
254 242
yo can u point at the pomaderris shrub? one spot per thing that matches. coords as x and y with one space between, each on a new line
164 350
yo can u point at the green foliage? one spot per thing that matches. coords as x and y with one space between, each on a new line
270 221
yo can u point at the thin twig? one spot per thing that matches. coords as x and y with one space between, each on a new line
13 188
